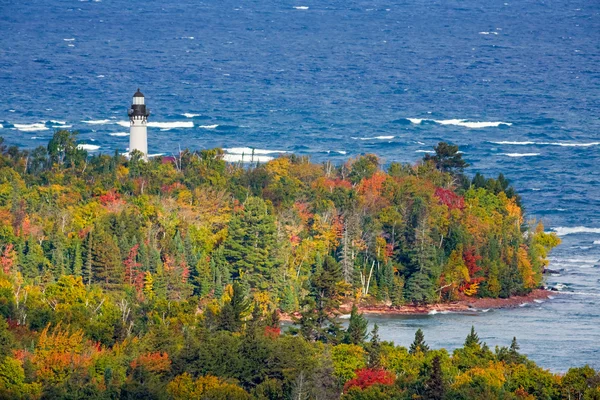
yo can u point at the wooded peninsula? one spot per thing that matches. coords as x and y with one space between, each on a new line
122 278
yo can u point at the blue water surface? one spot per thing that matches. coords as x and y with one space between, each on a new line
515 84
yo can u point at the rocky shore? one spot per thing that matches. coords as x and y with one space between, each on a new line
464 305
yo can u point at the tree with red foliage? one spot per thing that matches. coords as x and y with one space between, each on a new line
7 260
368 377
450 199
471 258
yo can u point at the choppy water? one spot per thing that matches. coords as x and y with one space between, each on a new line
515 84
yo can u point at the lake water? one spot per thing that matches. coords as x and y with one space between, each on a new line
515 84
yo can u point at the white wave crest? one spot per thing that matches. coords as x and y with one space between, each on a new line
301 7
469 124
462 122
245 158
99 122
90 147
596 241
424 151
571 144
31 127
488 33
55 122
563 231
170 125
549 144
538 301
1 126
250 151
375 138
69 40
119 134
208 126
514 143
520 154
585 294
190 115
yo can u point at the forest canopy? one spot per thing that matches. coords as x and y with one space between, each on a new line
117 273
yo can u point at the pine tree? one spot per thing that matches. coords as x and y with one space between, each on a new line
514 347
87 272
77 260
472 339
106 261
235 310
375 349
357 327
250 245
434 385
419 343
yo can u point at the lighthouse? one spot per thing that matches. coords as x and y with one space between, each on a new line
138 118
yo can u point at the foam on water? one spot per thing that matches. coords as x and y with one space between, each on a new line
301 7
520 154
424 151
208 126
191 115
249 150
488 33
590 144
462 122
99 122
170 125
596 242
563 230
246 158
31 127
514 143
375 138
89 147
119 134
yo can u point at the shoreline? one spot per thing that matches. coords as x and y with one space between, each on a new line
463 305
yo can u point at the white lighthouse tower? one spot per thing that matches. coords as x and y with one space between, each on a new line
138 117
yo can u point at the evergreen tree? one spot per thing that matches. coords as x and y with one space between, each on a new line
318 317
434 385
447 158
250 245
235 310
472 339
514 347
106 260
419 343
77 260
87 272
375 349
357 327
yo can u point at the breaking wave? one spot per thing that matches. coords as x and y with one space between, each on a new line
31 127
249 150
208 126
89 147
301 7
375 138
563 231
99 122
190 115
520 154
119 134
561 144
462 122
